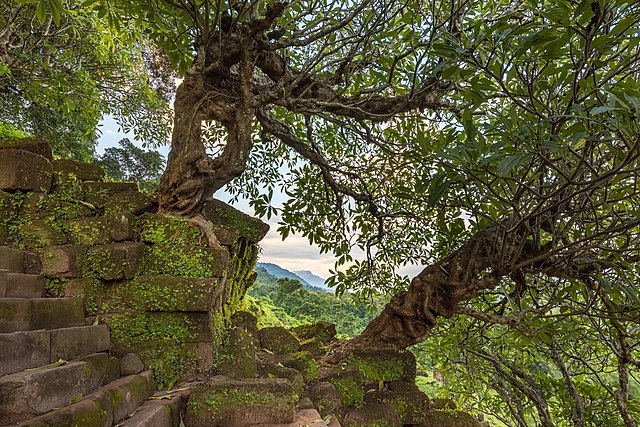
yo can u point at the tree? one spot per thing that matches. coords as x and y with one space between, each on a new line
62 69
130 163
494 142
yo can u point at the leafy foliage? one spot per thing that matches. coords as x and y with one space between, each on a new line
62 67
130 163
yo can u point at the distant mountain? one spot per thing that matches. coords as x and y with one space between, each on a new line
311 278
279 272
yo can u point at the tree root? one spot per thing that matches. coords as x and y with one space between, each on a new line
207 228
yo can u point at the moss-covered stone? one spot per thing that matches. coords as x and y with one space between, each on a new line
63 261
83 171
240 358
225 215
115 260
122 226
40 233
325 397
303 362
323 331
274 370
187 261
34 145
371 415
169 293
49 207
312 346
169 230
67 187
238 403
88 231
278 340
411 404
449 419
348 382
98 193
385 366
127 201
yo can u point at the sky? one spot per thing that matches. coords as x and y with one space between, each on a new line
293 254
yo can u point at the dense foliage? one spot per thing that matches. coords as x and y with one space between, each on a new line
130 163
62 67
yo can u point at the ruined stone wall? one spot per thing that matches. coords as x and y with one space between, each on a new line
153 279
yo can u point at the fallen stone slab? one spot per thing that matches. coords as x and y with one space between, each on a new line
225 402
163 409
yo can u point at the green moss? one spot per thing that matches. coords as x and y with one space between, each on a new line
380 370
186 261
67 187
303 362
131 329
350 391
170 230
223 400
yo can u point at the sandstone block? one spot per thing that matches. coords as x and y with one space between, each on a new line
11 260
130 364
32 264
98 193
66 187
34 145
22 350
378 413
278 340
4 233
88 231
324 396
170 293
240 358
132 201
227 216
169 230
323 331
83 171
41 233
63 260
449 419
83 413
303 362
122 226
123 396
70 343
386 365
115 260
20 285
187 261
159 413
25 171
55 313
276 370
41 206
30 393
234 403
14 315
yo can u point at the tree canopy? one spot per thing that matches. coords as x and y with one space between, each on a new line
495 143
63 66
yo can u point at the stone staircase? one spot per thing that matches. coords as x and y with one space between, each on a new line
55 368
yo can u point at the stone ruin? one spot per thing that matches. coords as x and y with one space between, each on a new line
111 314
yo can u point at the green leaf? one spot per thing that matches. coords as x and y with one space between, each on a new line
41 11
56 11
438 193
508 163
601 109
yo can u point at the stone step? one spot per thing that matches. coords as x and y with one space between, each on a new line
20 285
21 314
11 260
163 409
107 406
305 418
30 349
27 394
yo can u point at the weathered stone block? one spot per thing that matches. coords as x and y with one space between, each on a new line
4 233
324 396
123 226
240 358
45 206
41 233
347 380
449 419
11 260
128 201
410 403
32 264
303 362
69 343
98 193
238 403
55 313
170 293
63 261
164 412
169 230
83 413
28 394
88 231
83 171
34 145
372 414
22 350
14 315
278 340
19 285
66 187
187 261
25 171
323 331
385 365
225 215
130 364
275 370
115 260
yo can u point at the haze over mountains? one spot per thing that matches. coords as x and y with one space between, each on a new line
307 278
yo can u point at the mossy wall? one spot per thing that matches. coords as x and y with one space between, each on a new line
165 293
